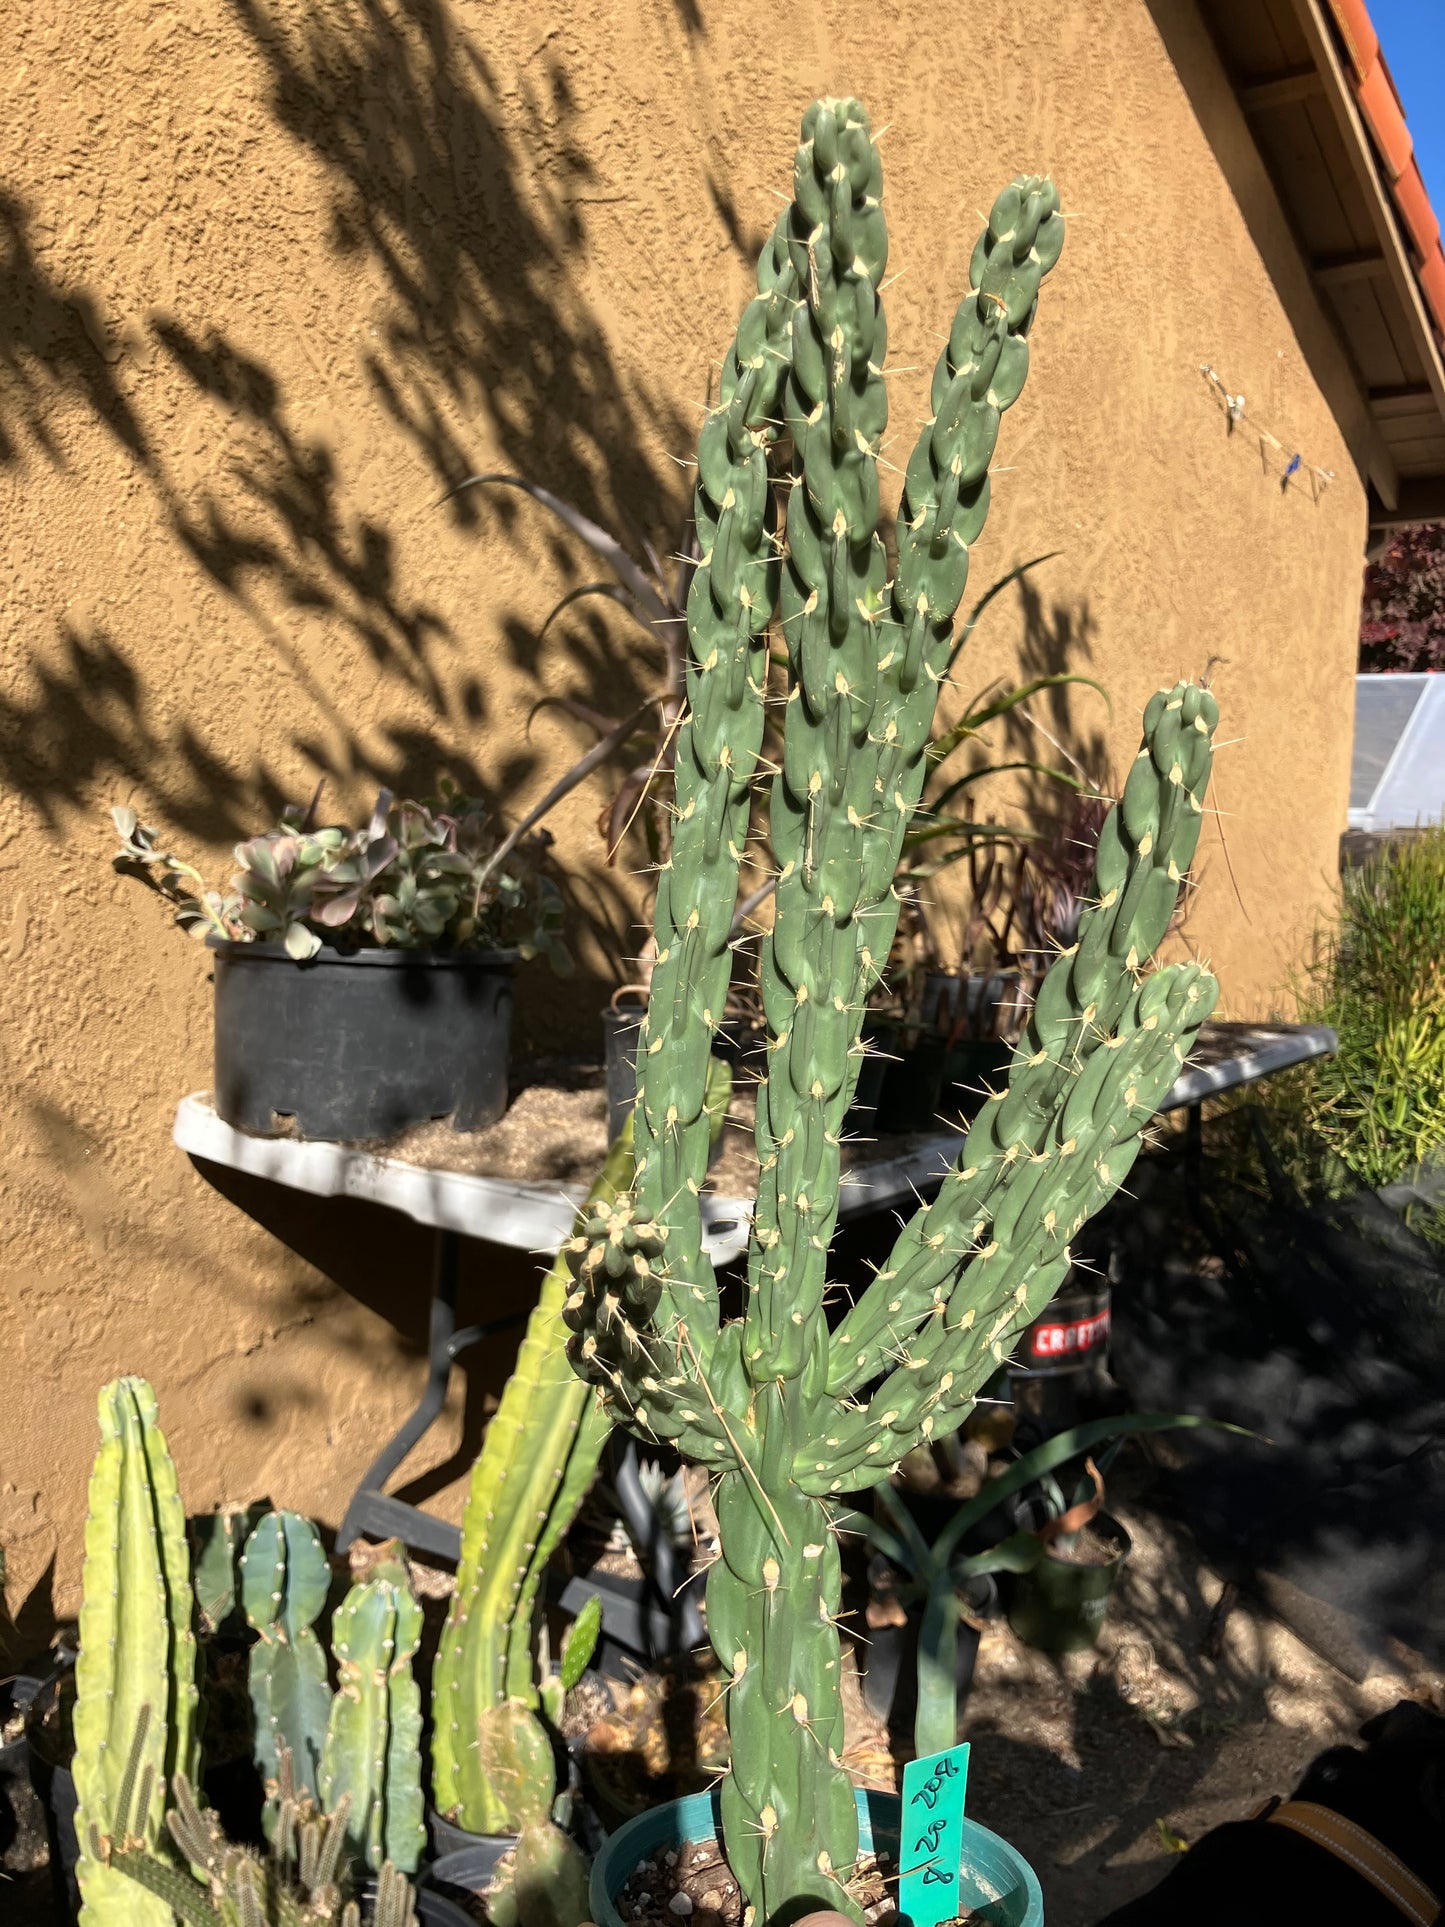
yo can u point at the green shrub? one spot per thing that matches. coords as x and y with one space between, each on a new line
1378 1105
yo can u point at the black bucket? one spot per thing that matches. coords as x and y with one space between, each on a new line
360 1045
890 1666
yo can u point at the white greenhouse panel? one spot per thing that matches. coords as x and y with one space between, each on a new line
1397 777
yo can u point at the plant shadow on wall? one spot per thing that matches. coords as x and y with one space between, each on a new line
484 342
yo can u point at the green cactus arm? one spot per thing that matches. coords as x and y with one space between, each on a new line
514 1755
594 1427
832 607
518 1506
1145 849
945 504
662 1387
549 1879
1009 1279
730 603
284 1582
135 1673
373 1736
178 1892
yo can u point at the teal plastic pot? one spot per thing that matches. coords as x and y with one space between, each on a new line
995 1881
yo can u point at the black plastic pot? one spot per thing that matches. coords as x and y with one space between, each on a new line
619 1044
1060 1359
911 1093
890 1678
469 1868
55 1789
360 1045
1058 1606
738 1044
432 1909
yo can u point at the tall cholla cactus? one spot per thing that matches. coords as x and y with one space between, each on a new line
787 1412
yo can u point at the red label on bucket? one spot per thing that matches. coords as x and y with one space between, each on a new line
1069 1338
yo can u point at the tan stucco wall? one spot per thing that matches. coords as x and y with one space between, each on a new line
278 272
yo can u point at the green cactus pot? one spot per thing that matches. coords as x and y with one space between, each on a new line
994 1878
1058 1606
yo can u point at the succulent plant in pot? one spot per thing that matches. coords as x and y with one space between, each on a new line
788 1410
364 976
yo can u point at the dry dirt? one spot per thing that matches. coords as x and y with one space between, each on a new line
1084 1762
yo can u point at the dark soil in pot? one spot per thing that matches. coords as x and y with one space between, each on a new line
699 1875
360 1045
666 1736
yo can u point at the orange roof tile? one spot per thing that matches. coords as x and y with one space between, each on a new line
1379 105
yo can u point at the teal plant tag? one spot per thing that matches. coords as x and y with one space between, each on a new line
930 1845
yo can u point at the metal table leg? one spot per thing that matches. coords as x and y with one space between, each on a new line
371 1510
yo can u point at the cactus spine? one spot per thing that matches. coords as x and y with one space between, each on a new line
136 1671
372 1756
785 1412
284 1583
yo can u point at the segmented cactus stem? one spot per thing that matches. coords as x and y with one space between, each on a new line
787 1414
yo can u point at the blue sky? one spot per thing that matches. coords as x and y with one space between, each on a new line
1412 33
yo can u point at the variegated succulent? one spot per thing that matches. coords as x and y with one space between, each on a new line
437 875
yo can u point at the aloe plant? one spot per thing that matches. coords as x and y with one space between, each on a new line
787 1411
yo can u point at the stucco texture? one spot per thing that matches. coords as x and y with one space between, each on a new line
277 275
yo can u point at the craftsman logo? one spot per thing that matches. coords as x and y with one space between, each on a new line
1071 1339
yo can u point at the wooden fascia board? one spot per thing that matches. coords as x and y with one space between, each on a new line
1357 138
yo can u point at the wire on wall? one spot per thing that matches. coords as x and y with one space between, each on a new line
1316 479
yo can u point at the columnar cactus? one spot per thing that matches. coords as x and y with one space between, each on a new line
372 1756
785 1411
136 1672
284 1582
539 1457
303 1881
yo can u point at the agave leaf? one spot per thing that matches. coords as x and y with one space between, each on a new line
564 785
1061 776
596 537
974 720
614 591
994 589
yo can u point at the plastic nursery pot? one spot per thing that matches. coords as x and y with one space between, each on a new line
450 1842
360 1044
619 1044
432 1909
911 1090
995 1880
1059 1605
890 1661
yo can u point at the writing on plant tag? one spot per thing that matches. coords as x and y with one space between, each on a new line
930 1845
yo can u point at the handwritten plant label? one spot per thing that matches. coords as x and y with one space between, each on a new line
931 1842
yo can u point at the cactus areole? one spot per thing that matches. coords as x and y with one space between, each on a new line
786 1411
